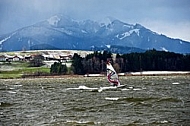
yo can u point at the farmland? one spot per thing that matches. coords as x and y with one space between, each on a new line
18 69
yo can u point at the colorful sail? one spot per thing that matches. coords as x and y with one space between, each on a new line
112 75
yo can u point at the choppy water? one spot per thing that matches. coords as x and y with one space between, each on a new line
162 100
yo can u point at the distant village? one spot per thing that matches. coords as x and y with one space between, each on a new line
49 56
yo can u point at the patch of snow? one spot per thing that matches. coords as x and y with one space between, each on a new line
164 49
110 29
83 31
128 33
95 30
117 36
128 26
180 42
148 39
54 20
64 30
30 43
155 33
136 31
106 21
108 46
5 39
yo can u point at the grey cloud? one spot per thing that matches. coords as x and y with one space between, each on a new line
15 14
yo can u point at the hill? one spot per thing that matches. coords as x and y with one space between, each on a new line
65 33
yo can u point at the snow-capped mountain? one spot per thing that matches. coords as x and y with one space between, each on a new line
63 32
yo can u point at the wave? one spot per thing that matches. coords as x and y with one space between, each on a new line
138 99
168 100
6 104
82 87
81 122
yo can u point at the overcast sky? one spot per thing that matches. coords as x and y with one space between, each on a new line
168 17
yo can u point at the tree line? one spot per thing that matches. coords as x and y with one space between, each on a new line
151 60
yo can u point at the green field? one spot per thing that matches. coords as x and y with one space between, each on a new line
19 69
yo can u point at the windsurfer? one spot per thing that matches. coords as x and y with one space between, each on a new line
112 75
114 82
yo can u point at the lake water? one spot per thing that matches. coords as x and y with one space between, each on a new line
147 100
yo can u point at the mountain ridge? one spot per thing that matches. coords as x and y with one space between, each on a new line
63 32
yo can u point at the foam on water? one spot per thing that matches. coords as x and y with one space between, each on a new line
82 87
175 83
11 92
112 99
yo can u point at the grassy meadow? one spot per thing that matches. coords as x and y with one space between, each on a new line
18 69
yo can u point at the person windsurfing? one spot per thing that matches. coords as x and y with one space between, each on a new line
112 75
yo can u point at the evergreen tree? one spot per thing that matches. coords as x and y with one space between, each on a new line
150 60
58 68
77 65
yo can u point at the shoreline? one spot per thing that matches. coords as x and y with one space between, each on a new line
143 73
159 73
